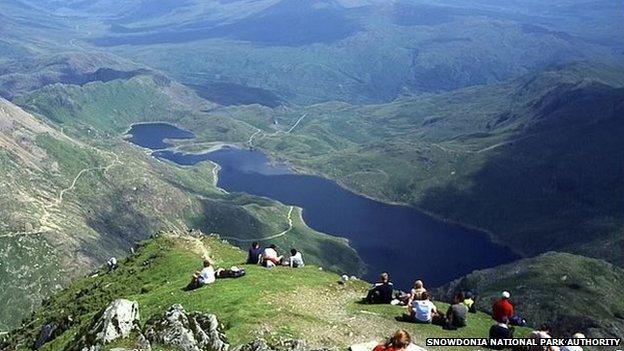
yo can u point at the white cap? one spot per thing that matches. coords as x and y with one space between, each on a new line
506 295
578 336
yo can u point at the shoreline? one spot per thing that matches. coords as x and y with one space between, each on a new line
310 172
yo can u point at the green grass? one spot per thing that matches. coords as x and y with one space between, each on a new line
304 303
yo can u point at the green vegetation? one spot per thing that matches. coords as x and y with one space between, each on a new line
271 303
76 201
570 292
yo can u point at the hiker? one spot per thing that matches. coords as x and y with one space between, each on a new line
469 301
398 342
503 309
457 312
254 253
575 347
542 333
112 264
270 257
381 292
501 330
424 311
295 260
203 277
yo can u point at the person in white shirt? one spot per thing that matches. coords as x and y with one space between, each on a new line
295 260
574 348
203 277
542 333
423 310
270 257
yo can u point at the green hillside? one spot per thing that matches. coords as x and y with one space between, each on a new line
570 292
306 303
74 196
535 161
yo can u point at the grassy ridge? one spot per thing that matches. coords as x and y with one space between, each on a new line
303 303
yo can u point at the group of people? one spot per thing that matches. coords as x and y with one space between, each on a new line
268 257
420 308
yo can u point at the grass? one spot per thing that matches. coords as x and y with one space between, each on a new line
278 303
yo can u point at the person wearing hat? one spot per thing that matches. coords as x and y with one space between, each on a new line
503 309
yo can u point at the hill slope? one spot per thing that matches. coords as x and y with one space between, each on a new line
73 199
535 161
305 303
574 293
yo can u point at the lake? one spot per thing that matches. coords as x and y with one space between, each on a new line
399 239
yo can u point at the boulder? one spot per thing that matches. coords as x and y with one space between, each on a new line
118 320
193 331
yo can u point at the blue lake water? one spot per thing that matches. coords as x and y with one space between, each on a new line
399 239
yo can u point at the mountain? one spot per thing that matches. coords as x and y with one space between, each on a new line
75 195
570 292
273 304
534 161
324 50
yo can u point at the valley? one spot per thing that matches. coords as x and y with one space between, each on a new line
484 131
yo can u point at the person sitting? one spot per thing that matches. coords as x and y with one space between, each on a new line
469 301
295 260
203 277
381 292
501 330
112 264
503 309
574 347
542 333
457 313
270 257
254 253
424 311
398 342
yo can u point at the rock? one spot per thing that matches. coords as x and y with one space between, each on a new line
118 320
193 331
281 345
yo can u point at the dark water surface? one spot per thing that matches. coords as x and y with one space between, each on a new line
399 239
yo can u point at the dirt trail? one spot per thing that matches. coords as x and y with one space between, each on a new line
46 224
259 131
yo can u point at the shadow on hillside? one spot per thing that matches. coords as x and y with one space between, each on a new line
558 186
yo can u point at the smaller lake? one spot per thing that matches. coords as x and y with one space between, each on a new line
399 239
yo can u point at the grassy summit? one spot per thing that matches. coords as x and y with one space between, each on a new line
305 303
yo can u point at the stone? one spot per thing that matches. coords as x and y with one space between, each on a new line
118 320
193 331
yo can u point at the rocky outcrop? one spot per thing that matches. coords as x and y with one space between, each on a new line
118 320
280 345
193 331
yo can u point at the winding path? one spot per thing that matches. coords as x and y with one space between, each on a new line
248 240
46 213
259 131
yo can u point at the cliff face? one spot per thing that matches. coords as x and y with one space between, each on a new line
570 292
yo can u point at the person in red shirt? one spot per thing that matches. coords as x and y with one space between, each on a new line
398 342
503 309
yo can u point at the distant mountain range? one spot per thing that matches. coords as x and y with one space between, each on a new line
507 118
